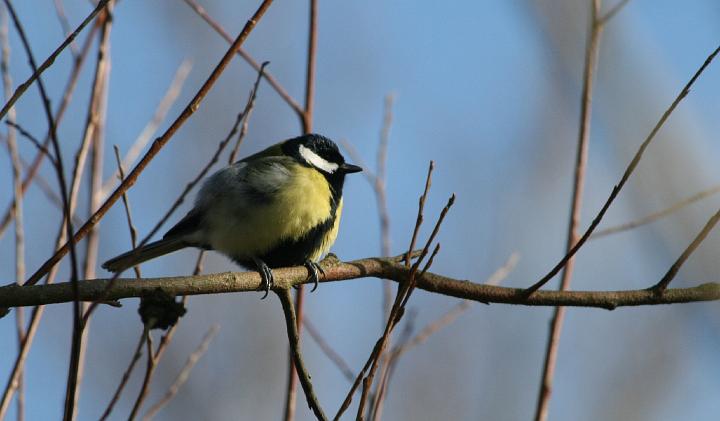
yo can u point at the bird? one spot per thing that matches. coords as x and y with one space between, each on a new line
278 207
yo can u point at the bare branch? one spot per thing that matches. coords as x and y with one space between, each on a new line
333 355
420 216
592 50
675 268
27 135
401 299
65 25
152 126
383 268
149 371
657 215
67 212
126 376
37 71
242 53
306 119
613 11
626 175
17 208
126 205
34 166
184 373
249 106
291 323
156 146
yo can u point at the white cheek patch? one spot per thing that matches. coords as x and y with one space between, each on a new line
316 161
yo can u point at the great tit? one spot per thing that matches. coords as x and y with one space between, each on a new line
279 207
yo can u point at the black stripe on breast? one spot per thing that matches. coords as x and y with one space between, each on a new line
295 252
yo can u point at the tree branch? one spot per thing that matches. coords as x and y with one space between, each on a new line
132 177
390 268
294 339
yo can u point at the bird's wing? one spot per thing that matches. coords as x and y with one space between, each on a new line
188 225
238 186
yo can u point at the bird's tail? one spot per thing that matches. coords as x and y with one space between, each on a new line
146 252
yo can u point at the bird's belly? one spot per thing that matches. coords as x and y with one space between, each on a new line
298 224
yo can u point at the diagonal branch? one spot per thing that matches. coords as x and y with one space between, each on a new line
661 286
626 175
159 143
242 53
50 60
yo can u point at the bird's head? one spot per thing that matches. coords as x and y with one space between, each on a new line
320 153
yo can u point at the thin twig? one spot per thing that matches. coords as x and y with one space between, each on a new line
626 175
213 160
128 213
32 327
379 186
38 70
179 201
306 118
613 11
152 126
65 25
126 376
34 166
591 60
328 350
401 299
657 215
377 350
149 371
77 320
17 208
249 106
378 181
154 358
675 268
35 142
381 180
291 323
44 185
498 276
92 137
377 400
242 53
159 143
184 373
421 207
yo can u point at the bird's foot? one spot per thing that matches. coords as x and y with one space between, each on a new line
266 275
313 269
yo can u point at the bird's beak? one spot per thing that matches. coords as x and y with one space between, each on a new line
349 168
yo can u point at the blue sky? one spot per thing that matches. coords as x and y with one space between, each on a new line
490 90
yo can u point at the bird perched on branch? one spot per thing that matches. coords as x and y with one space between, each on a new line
279 207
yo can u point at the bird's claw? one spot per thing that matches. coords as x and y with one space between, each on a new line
266 275
313 269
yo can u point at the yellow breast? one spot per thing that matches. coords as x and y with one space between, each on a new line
300 205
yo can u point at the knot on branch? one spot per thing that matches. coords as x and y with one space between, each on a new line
159 310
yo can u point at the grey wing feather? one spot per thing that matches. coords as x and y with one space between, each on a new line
244 182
